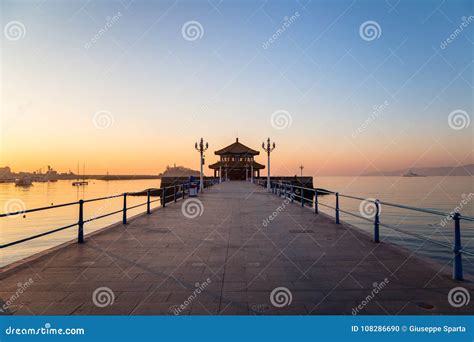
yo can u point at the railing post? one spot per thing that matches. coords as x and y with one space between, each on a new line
316 209
292 195
80 223
302 197
124 219
174 194
183 191
376 221
148 211
457 270
337 207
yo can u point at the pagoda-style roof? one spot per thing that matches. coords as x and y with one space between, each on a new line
237 149
237 165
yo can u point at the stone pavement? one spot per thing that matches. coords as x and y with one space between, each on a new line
227 261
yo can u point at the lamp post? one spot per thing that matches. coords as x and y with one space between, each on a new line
201 148
301 168
269 148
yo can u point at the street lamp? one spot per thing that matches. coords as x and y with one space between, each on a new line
201 148
269 148
301 168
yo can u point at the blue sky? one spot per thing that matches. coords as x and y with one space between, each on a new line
160 87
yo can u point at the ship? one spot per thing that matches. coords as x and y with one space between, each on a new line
24 181
410 173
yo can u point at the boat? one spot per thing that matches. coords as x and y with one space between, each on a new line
83 181
25 181
410 173
79 183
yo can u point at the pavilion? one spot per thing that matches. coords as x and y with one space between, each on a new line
236 162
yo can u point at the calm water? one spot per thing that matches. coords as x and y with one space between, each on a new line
442 193
13 228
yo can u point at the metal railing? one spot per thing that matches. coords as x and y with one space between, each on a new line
291 192
179 191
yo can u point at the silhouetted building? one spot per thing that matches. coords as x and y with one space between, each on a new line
236 162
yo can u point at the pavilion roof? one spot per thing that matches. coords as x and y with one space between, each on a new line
237 148
236 164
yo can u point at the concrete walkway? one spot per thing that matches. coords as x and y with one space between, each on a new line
226 261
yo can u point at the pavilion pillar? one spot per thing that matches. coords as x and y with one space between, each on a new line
220 174
251 172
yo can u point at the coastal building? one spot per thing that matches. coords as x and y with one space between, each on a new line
236 162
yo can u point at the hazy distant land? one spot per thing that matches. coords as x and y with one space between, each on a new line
465 170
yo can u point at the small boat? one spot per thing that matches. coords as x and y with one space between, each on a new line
82 182
79 183
410 173
23 182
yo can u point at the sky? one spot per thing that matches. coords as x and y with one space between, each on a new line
342 87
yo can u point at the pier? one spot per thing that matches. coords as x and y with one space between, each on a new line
238 245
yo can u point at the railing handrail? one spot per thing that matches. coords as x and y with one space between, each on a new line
395 205
180 187
281 188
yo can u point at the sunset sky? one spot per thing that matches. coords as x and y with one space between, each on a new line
159 90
